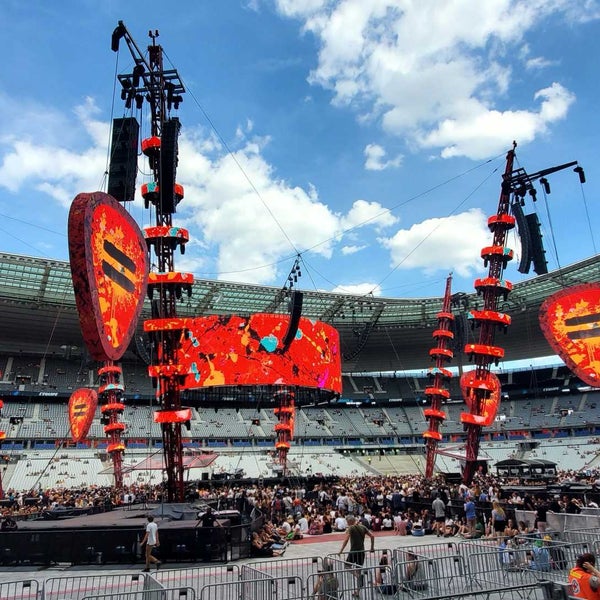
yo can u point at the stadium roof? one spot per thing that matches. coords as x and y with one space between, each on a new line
38 314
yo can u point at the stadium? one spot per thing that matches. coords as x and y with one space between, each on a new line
280 461
375 426
548 420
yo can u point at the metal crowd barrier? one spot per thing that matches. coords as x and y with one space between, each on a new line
186 593
496 566
421 576
264 588
76 588
523 592
590 536
197 577
355 582
19 590
285 586
285 567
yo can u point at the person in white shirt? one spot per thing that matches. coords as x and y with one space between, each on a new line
340 523
151 541
303 524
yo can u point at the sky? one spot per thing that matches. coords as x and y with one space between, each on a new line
366 138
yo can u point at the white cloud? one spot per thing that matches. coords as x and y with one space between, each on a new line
56 171
368 213
450 243
375 155
244 221
433 72
484 130
348 250
538 63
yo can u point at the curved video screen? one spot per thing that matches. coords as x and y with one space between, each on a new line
236 350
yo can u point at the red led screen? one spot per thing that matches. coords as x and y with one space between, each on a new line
490 398
82 409
234 350
109 267
570 320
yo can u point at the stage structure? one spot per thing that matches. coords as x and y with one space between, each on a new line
480 388
285 413
437 392
109 269
162 89
2 437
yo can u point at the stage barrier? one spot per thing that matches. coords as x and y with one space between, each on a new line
590 536
186 593
76 588
282 568
27 589
263 588
197 577
470 568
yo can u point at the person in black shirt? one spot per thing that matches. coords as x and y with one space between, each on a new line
555 506
208 518
207 521
541 510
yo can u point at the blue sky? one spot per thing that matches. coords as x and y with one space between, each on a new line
367 136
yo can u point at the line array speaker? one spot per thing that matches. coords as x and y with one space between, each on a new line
168 164
123 159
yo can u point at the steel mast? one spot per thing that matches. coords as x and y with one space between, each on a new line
162 89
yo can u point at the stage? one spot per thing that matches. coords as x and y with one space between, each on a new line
114 536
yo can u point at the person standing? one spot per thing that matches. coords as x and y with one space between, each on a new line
498 520
470 514
584 578
151 541
541 514
439 512
355 534
207 521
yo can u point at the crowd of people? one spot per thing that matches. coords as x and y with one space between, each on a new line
359 507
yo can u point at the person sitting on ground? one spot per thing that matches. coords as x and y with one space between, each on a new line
584 578
262 548
417 529
327 584
386 522
316 526
383 577
450 527
286 527
340 523
510 530
525 531
539 557
411 579
399 524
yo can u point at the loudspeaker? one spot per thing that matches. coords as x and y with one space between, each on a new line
123 159
523 229
538 254
296 313
168 165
